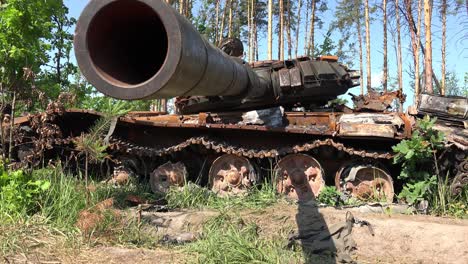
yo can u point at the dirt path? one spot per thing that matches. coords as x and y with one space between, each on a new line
398 238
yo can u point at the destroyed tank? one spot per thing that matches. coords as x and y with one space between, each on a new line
237 124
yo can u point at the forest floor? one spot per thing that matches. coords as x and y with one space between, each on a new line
398 238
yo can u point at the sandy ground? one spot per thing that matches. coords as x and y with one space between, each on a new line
398 238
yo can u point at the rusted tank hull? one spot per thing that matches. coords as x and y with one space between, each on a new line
205 144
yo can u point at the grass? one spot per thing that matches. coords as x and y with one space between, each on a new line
444 203
194 196
228 238
53 222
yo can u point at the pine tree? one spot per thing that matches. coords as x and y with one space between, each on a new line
270 29
311 39
368 45
399 57
443 12
288 27
298 26
281 31
415 41
428 50
385 45
348 17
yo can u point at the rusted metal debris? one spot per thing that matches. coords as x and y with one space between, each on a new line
365 182
231 174
376 101
167 175
299 176
461 179
450 110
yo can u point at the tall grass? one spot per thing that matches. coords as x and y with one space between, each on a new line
229 239
444 203
56 210
194 196
62 202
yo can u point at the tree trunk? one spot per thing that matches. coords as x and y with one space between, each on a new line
417 87
281 27
368 48
223 19
414 43
423 50
252 28
254 37
249 31
444 44
399 59
385 49
306 31
216 28
230 20
298 27
188 9
311 44
428 50
270 29
358 27
181 6
288 29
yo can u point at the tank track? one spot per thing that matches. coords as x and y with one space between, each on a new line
224 147
123 146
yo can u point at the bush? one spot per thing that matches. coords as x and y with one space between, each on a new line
330 196
418 158
19 193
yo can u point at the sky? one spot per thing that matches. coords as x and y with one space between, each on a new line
457 45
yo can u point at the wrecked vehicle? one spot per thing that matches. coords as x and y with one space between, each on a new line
237 125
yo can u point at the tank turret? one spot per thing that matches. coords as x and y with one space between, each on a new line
145 50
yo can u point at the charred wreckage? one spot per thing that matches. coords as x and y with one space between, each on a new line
237 123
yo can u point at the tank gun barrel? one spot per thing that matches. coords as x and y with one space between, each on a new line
144 49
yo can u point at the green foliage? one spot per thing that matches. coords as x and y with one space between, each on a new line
51 218
92 144
229 239
418 158
327 47
329 196
337 102
96 101
19 193
62 202
443 202
194 196
34 50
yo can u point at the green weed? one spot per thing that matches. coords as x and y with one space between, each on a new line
19 193
330 196
443 202
229 239
418 158
194 196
